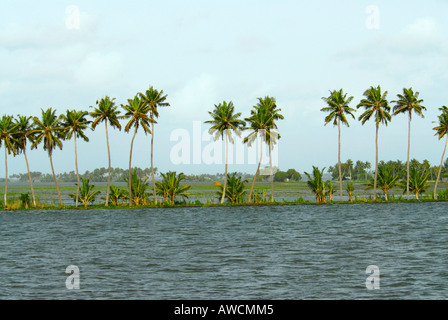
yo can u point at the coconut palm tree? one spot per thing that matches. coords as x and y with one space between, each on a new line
24 128
48 131
137 113
350 188
260 123
317 184
387 179
376 105
271 138
224 122
106 112
338 109
9 142
154 99
406 103
418 182
86 192
235 188
170 186
441 131
74 124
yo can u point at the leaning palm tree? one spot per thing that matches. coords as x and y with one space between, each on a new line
24 128
260 122
154 99
224 122
7 129
74 123
408 102
107 112
137 113
376 105
338 109
441 131
48 130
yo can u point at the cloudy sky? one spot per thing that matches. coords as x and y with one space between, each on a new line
66 55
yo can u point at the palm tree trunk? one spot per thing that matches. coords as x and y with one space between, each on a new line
29 175
130 161
339 160
108 178
376 164
409 147
77 172
258 169
272 174
152 164
6 176
225 173
440 168
55 180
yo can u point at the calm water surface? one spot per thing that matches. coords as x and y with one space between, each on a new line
284 252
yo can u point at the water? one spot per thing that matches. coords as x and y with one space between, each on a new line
282 252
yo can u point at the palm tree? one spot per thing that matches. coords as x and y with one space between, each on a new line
338 109
170 186
235 189
224 121
48 130
350 188
154 99
260 122
376 105
408 102
137 113
23 133
317 184
418 181
271 138
7 130
107 112
74 123
86 192
441 131
139 186
387 179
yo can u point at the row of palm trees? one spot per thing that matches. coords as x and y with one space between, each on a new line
377 107
50 130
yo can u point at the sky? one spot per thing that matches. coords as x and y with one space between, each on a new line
68 54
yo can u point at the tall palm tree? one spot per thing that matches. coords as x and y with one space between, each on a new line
24 128
441 131
224 122
74 123
154 99
260 122
137 113
338 109
7 129
48 130
106 112
271 138
406 103
375 104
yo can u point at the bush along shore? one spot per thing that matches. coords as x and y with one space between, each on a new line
141 112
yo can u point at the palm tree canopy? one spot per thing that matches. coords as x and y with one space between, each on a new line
338 107
408 102
375 103
154 99
48 130
442 125
224 121
106 111
137 113
7 134
261 121
74 122
24 127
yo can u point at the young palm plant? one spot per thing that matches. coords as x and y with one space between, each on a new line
338 109
9 142
170 186
408 102
23 134
316 184
139 187
86 193
418 182
48 131
74 124
154 99
106 112
224 122
137 113
441 131
235 188
375 105
116 195
387 179
350 189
